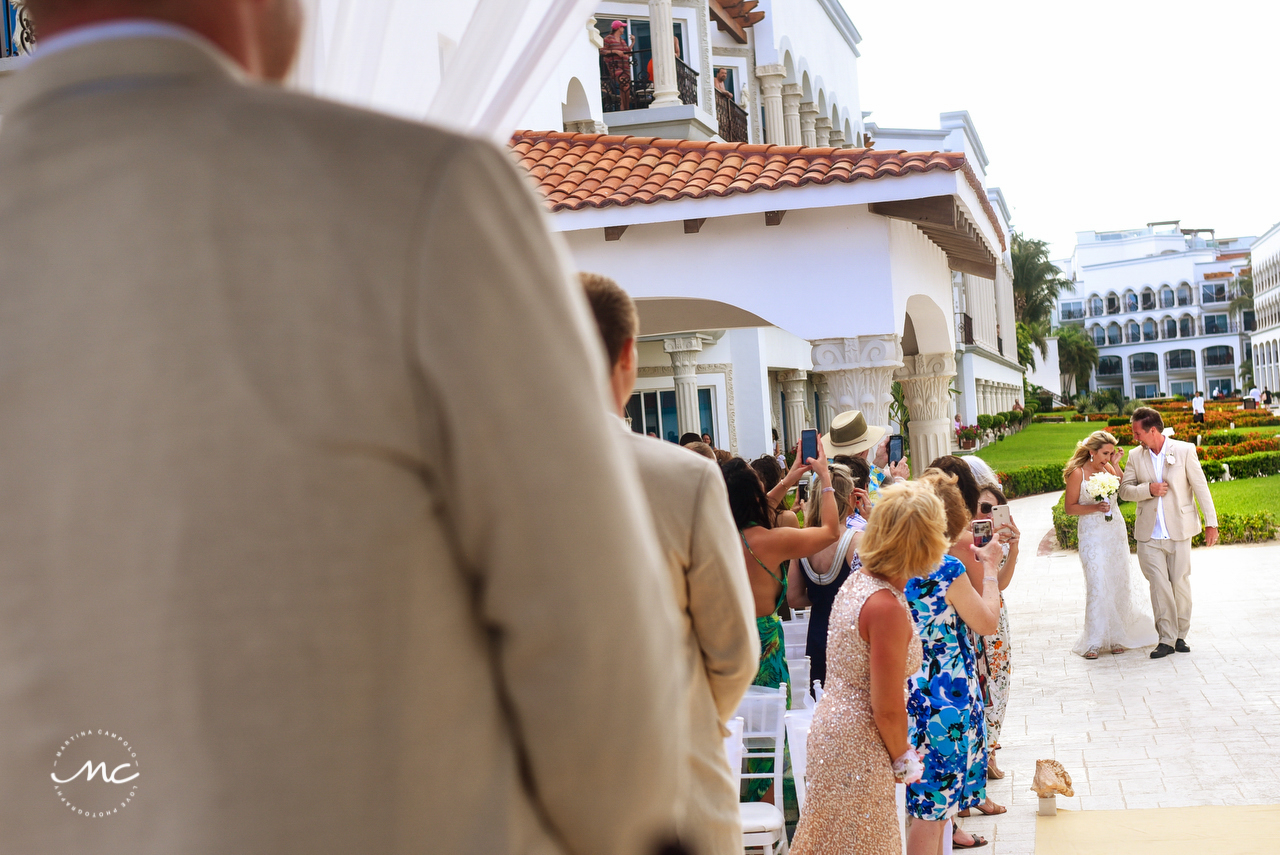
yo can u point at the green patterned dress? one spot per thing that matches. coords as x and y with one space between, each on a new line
773 669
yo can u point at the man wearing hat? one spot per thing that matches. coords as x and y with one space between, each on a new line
850 434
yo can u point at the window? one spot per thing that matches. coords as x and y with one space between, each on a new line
1148 330
1179 359
1131 302
654 413
1135 331
1223 383
1249 320
1099 336
1184 295
1148 301
1145 390
1095 306
1170 328
1219 355
1185 388
1072 311
1144 363
1248 349
1216 324
1113 304
1213 292
1113 334
1110 366
707 415
1166 298
1185 328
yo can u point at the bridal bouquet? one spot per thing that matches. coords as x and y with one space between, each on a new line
1102 487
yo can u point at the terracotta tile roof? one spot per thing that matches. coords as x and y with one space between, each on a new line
577 171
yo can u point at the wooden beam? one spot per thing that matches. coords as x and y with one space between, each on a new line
691 227
726 22
934 210
774 218
613 232
973 268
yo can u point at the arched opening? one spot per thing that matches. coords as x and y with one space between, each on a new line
1099 335
1114 336
1110 366
1180 360
1149 330
1186 327
1095 306
1134 331
1170 327
576 109
1166 297
1144 363
1130 301
1113 303
1148 299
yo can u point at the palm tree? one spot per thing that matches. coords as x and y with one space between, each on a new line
1077 358
1036 284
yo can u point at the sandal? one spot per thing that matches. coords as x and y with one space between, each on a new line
1116 650
994 810
1091 653
977 841
994 773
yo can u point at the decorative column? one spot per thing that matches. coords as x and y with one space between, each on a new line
836 139
662 37
684 364
822 130
771 77
825 411
1201 385
926 383
791 94
793 387
808 124
859 372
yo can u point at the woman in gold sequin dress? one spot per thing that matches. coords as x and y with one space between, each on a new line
860 725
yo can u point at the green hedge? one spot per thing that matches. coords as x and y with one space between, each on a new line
1255 465
1232 528
1032 480
984 422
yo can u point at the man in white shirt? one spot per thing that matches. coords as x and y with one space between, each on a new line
1197 409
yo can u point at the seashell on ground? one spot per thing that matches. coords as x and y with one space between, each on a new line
1051 780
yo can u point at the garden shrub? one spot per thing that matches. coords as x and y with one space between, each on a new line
1232 527
1117 421
984 422
1130 406
997 421
1032 480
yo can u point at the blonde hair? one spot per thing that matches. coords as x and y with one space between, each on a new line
842 483
944 486
906 536
1085 449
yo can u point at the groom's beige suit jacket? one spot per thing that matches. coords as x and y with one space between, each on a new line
307 485
1187 485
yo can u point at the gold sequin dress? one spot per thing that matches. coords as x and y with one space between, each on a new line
850 807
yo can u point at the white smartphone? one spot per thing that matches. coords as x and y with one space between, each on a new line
1000 516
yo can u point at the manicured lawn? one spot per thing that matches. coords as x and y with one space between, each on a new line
1246 496
1038 444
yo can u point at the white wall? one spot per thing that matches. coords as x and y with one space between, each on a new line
1045 371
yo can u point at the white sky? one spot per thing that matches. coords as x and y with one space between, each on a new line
1095 115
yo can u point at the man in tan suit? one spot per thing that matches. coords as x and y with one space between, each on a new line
283 384
700 544
1164 476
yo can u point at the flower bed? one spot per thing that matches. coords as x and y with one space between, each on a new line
1240 449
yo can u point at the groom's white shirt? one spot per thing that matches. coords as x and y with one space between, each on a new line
1160 532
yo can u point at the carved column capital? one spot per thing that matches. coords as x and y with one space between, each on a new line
822 130
771 78
859 372
926 389
793 381
837 140
791 95
808 122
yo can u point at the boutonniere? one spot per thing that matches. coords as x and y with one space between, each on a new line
1168 458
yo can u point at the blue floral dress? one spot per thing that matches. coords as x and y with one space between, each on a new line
944 709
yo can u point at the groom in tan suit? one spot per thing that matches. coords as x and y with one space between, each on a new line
288 389
1164 477
699 543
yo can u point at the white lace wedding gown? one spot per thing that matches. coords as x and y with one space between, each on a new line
1116 606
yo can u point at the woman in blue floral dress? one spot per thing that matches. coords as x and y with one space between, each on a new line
945 704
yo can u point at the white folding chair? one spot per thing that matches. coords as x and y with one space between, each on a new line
798 722
801 614
799 669
795 636
763 713
817 692
733 750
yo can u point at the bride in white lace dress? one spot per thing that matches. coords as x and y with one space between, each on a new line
1116 615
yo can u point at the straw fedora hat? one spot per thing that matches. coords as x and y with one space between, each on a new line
850 434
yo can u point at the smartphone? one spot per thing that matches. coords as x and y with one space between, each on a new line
808 445
1000 516
983 531
895 448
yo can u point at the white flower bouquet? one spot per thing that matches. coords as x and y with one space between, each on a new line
1102 488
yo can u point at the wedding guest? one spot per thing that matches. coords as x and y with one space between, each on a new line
722 75
616 52
703 449
851 435
1197 409
235 415
1266 397
765 551
860 469
770 474
859 740
706 437
812 581
699 545
945 703
1114 615
690 437
722 456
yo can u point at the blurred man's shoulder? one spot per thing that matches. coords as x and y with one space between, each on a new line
657 457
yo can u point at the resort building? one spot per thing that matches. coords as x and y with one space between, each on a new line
1266 302
1160 304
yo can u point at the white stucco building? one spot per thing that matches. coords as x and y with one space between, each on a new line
1265 258
1157 303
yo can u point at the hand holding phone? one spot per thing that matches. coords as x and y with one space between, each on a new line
808 445
896 448
983 531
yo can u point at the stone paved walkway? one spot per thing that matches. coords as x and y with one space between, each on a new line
1191 729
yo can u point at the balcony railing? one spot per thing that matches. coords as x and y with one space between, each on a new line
1212 359
732 118
964 328
1107 368
634 90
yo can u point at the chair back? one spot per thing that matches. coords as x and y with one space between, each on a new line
801 614
799 669
795 636
763 712
733 750
817 692
797 722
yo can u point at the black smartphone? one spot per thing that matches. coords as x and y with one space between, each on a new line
808 445
895 448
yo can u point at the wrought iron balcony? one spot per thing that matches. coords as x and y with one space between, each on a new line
964 328
634 91
732 118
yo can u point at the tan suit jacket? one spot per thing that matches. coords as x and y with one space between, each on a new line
699 543
288 388
1186 483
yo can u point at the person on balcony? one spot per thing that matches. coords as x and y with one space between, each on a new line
722 77
617 61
